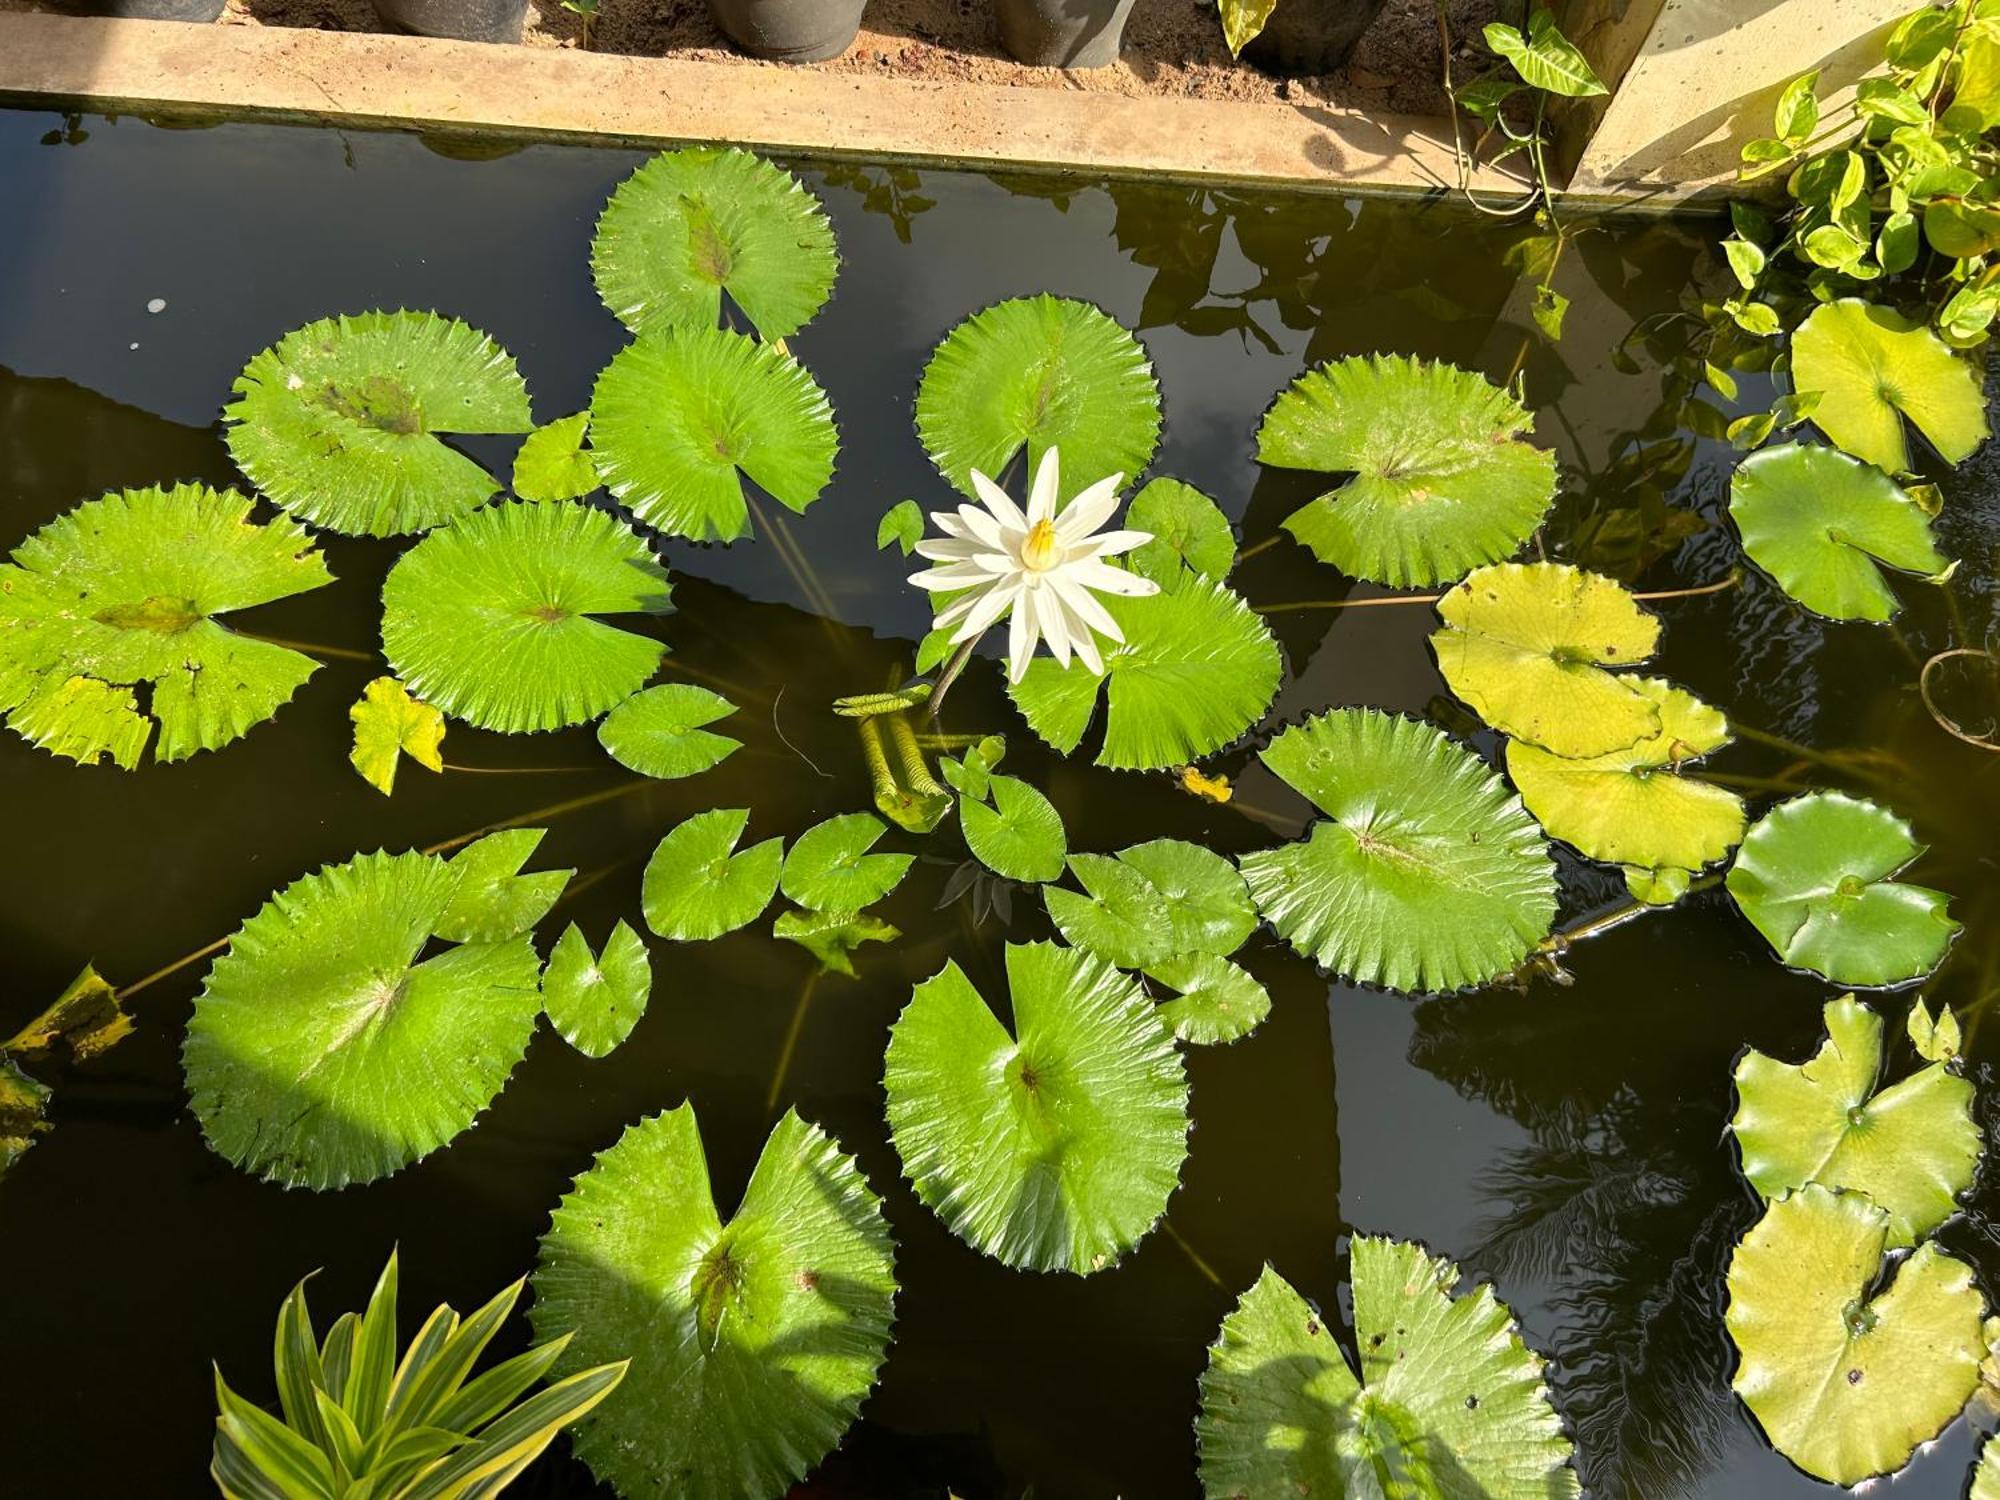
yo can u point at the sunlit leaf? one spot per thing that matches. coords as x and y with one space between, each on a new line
86 1020
1936 1038
1215 1001
901 527
832 936
1871 369
389 724
696 888
1191 536
1202 894
659 732
829 867
494 900
1243 20
1021 836
552 465
595 999
1544 57
1123 919
1986 1476
971 775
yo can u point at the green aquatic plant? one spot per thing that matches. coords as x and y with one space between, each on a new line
832 937
1813 876
695 887
595 999
660 732
1427 874
1191 536
1207 905
901 527
23 1104
389 724
107 635
1215 1001
1867 370
492 619
752 1341
1448 1401
1055 1147
494 900
357 1421
1443 480
1121 918
1020 835
552 463
343 422
829 868
906 793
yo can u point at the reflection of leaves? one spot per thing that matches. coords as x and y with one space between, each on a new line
893 192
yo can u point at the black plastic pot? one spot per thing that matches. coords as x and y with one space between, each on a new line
1310 36
154 10
793 31
1063 33
462 20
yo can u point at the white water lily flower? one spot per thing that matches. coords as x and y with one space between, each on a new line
1043 567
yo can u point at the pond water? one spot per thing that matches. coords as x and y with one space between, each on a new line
1564 1139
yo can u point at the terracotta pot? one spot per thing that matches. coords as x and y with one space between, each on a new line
462 20
1310 36
1063 33
793 31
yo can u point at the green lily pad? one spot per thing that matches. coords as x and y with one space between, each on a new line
1123 920
753 1342
659 732
124 592
1044 372
1936 1038
695 888
1427 875
829 867
1021 836
342 422
1055 1148
1844 1386
389 724
1191 535
971 775
1986 1477
1202 894
491 619
832 936
1526 645
1215 1001
1870 369
325 1051
595 999
1449 1402
901 527
1443 480
1197 669
691 225
494 900
1819 521
1911 1147
552 463
678 421
1813 877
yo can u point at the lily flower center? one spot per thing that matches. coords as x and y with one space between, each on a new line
1040 551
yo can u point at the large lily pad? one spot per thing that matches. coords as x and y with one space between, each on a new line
1450 1402
659 732
678 421
1044 372
696 888
1813 877
595 999
1819 521
1527 644
1427 875
1869 369
1443 480
1055 1148
491 619
1846 1386
342 422
753 1342
123 593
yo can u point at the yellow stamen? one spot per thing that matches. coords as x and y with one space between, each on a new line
1040 552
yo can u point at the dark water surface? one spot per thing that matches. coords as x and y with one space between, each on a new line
1566 1141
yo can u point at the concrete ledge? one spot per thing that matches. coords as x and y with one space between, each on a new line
169 68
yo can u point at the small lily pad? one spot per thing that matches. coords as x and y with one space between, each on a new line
1216 1001
832 936
1203 894
659 732
594 999
552 463
1191 535
1123 920
1936 1038
389 724
829 867
1021 836
901 527
695 888
1870 369
494 900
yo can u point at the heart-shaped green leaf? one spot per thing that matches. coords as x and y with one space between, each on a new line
659 732
1870 368
1020 836
1191 536
1215 1001
596 999
552 464
494 900
1123 920
695 888
830 869
1202 894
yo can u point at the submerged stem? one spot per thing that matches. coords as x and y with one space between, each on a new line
1194 1256
451 765
312 648
791 1042
800 567
1618 916
1696 591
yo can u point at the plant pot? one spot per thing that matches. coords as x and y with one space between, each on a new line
1310 36
793 31
153 10
1063 33
462 20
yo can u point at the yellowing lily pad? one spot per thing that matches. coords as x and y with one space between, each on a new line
1870 369
389 724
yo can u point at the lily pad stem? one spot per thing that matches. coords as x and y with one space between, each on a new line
312 648
1618 916
1735 577
947 677
452 765
791 1043
800 567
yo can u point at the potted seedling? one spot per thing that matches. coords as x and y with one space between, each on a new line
464 20
1296 37
1063 33
793 31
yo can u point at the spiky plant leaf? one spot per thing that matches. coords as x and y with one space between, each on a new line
123 593
1450 1401
491 619
690 225
1197 669
595 999
1044 372
829 867
1202 894
1020 836
1911 1147
696 888
1191 537
1443 480
1427 875
323 1050
659 732
339 422
678 421
1846 1386
1819 521
1527 644
1813 876
389 724
1055 1148
494 900
752 1342
1869 369
552 465
832 936
1215 1001
1123 919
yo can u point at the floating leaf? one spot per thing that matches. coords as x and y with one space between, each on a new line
675 419
1046 372
659 732
339 422
1936 1039
691 225
752 1342
86 1020
1442 480
1191 536
1217 1001
324 1050
1450 1401
1021 836
494 900
901 526
1986 1477
1123 920
123 593
491 618
1197 669
695 888
1202 894
1819 521
1847 1387
1870 369
1526 644
972 776
1813 877
1427 875
23 1102
829 867
389 724
552 465
1052 1149
595 1000
831 936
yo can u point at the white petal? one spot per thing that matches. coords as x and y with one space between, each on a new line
1021 635
1089 613
950 549
991 606
1089 510
958 575
948 523
1075 633
1004 510
958 609
1086 648
979 524
1106 579
1048 481
1109 544
1054 621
